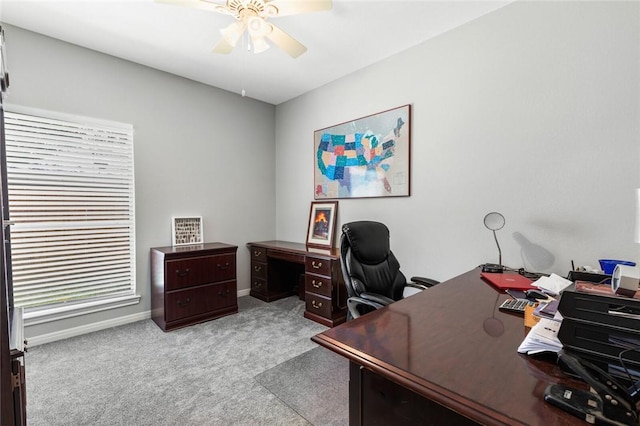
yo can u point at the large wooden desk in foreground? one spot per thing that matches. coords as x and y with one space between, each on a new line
445 356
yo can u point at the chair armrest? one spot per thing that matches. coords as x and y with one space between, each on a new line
354 302
377 298
416 286
427 282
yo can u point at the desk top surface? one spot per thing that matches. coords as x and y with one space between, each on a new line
452 344
296 248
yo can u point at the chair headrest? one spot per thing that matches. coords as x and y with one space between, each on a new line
369 241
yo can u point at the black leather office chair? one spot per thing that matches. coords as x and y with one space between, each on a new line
371 272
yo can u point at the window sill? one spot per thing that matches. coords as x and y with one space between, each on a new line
34 316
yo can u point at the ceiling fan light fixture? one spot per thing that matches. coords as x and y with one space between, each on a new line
257 26
270 10
233 32
259 44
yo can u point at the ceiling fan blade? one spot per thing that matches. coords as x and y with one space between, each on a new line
294 7
285 42
198 4
223 47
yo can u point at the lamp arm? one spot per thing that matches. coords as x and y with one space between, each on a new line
495 237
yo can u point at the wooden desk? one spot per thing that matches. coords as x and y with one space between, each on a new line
445 356
278 267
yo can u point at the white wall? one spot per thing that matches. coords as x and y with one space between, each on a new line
194 150
532 111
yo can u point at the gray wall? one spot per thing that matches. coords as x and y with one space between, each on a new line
532 111
195 153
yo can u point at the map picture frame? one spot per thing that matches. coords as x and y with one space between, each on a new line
322 224
186 230
368 157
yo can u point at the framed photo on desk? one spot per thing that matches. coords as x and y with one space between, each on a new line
322 223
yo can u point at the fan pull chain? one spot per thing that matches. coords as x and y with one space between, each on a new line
243 93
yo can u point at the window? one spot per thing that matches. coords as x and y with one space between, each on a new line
71 200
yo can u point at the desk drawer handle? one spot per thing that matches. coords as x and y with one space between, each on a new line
257 284
257 268
316 305
257 253
316 284
185 303
183 273
225 266
315 265
223 293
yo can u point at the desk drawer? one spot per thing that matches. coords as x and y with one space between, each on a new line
259 254
318 266
259 285
284 255
258 270
318 305
317 284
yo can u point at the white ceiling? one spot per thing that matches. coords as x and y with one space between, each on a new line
179 40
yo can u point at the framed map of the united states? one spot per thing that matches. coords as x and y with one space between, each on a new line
366 157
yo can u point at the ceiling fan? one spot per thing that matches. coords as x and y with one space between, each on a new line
252 16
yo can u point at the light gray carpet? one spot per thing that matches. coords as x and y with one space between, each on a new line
257 367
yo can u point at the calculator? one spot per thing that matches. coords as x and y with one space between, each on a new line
516 305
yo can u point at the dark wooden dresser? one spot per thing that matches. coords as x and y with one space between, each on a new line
281 269
192 284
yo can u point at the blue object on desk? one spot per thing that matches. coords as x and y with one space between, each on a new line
608 265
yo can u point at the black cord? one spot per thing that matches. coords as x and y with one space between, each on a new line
634 382
531 275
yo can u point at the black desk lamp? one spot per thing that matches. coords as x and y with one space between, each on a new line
494 221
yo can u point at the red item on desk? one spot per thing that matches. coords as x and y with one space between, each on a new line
507 280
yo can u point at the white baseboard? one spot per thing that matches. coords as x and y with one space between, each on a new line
89 328
97 326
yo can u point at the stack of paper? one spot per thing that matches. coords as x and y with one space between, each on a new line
552 284
543 337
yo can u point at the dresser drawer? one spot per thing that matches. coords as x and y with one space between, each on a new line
220 268
259 254
200 270
185 273
318 305
258 270
317 266
317 284
200 300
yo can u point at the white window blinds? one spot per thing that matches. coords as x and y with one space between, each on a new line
71 199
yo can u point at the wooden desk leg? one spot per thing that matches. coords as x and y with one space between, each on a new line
355 395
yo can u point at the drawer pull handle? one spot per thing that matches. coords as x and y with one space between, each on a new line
257 284
316 265
183 273
316 284
257 268
257 253
225 266
316 305
223 293
185 303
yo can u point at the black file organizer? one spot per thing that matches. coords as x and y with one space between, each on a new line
594 327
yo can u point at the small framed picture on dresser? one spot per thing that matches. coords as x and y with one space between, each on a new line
186 230
322 223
